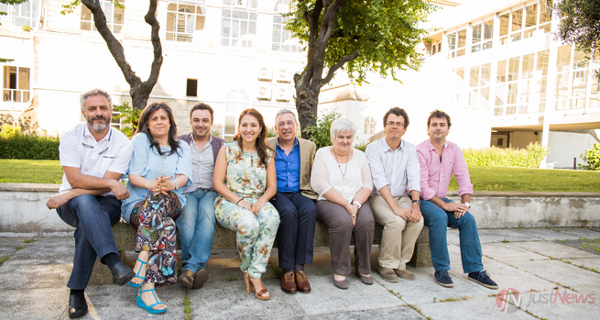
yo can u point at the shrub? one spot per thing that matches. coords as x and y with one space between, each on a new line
319 134
591 157
531 157
15 144
129 118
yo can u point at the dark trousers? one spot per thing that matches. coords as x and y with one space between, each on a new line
340 235
298 215
92 216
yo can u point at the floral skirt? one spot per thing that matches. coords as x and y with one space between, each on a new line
156 233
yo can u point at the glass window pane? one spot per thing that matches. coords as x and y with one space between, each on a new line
462 38
488 31
501 77
517 20
23 79
477 33
527 68
474 77
230 125
564 58
452 41
545 11
513 68
531 15
486 72
504 24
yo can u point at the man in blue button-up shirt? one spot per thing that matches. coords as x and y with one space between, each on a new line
294 201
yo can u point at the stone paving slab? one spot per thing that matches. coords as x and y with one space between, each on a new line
581 232
546 234
498 235
47 303
563 274
481 308
424 288
559 308
555 250
508 252
402 313
593 263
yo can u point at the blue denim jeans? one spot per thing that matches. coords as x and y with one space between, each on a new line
196 228
298 215
92 217
438 220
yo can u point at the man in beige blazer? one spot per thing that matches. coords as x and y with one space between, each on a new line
294 201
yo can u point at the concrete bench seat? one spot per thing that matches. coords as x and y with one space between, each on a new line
225 239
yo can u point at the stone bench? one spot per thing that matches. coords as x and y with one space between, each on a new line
225 239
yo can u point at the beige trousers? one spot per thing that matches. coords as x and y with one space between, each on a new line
399 236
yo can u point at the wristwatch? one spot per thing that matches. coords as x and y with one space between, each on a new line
467 204
417 201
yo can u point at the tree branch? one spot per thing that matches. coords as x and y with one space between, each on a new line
114 46
338 65
158 59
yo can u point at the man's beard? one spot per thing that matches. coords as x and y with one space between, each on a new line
99 127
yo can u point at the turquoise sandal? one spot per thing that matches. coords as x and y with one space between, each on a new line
143 305
137 275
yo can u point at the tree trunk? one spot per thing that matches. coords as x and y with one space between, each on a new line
307 102
138 90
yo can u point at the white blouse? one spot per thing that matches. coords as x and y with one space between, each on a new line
327 173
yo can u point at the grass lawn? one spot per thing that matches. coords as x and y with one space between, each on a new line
483 178
30 171
520 179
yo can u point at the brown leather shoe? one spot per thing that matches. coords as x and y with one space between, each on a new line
302 282
288 283
405 274
186 278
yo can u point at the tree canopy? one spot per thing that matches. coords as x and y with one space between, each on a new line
358 36
580 24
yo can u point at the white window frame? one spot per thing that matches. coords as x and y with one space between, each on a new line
112 13
21 15
239 21
187 18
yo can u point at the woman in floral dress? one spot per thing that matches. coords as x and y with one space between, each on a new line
245 178
158 170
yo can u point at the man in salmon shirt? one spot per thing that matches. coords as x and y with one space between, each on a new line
439 159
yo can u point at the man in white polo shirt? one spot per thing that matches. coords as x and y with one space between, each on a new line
93 156
396 172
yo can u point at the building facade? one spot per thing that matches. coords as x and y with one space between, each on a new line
230 54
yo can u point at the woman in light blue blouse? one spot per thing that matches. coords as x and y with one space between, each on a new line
159 168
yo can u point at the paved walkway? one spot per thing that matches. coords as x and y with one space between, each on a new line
552 279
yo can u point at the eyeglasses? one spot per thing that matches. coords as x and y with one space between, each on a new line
289 123
392 123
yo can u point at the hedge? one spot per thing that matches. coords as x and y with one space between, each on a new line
531 157
15 144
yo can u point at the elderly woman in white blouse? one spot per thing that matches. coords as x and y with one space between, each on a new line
342 178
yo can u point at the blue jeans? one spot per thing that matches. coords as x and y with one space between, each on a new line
196 228
298 215
92 217
437 220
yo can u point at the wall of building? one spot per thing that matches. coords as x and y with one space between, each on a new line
564 146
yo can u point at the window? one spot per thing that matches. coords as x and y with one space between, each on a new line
545 15
516 24
183 18
436 47
541 80
483 34
457 86
15 85
115 16
370 125
235 101
531 15
479 83
562 78
282 38
504 26
115 121
238 25
20 15
456 43
191 88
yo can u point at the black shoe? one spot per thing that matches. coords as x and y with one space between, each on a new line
483 278
77 306
122 273
443 279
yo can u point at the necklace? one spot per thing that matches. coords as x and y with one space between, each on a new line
345 165
163 164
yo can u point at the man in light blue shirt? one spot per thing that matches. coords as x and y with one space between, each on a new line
396 173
